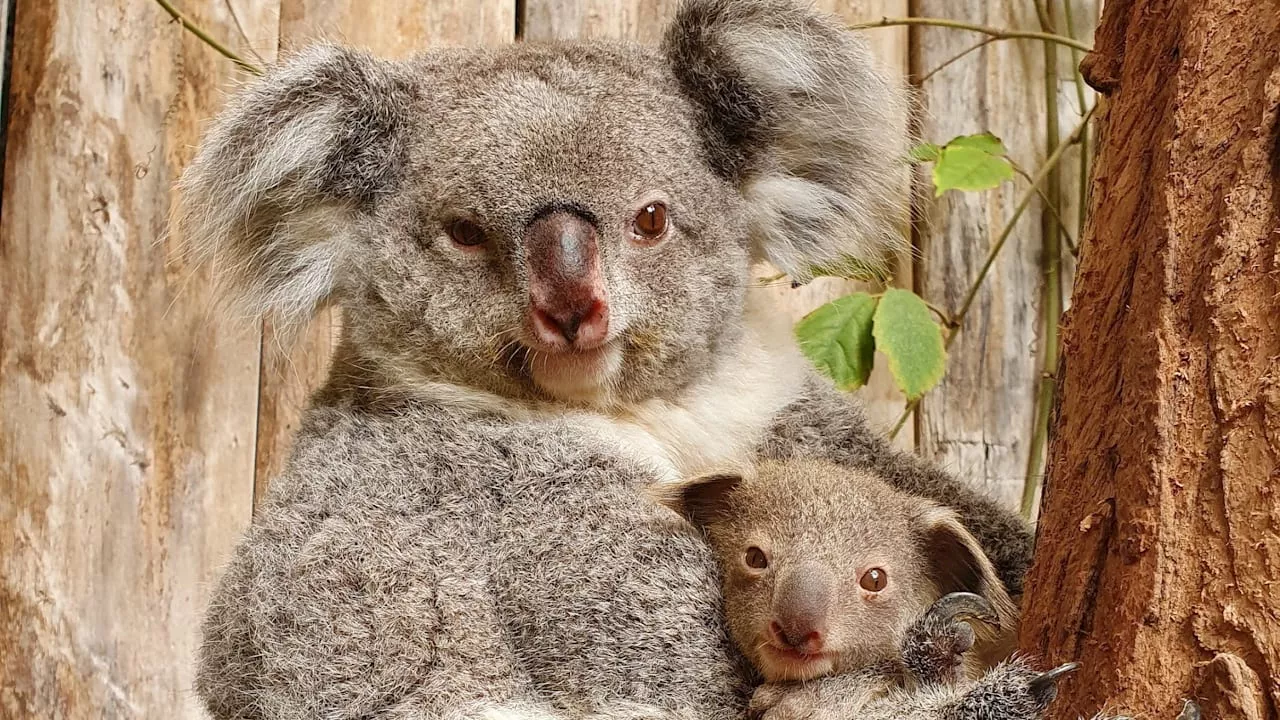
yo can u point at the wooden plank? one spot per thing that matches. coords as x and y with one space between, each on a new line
644 21
291 374
126 441
978 422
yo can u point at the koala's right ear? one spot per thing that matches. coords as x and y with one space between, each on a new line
280 180
793 110
702 500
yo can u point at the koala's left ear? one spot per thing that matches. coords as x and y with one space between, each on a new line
794 111
956 562
702 500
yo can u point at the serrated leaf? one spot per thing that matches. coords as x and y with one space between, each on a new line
837 339
908 337
986 142
968 168
926 152
851 268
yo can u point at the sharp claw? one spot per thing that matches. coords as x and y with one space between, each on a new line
1047 681
965 606
1190 711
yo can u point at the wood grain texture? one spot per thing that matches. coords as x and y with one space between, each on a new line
390 29
126 441
1158 563
978 422
644 21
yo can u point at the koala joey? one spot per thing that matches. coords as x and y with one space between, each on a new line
543 257
828 572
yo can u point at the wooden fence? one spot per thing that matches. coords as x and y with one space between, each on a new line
135 434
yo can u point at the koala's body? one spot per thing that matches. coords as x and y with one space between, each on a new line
542 256
852 598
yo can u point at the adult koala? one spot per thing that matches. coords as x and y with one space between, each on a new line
542 255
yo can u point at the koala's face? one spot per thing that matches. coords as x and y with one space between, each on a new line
818 581
825 567
566 222
558 231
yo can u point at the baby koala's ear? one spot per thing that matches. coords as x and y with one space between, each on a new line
702 500
956 563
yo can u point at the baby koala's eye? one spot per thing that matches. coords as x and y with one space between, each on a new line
650 223
466 233
874 580
756 559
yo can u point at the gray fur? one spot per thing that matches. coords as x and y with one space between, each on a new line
895 653
453 537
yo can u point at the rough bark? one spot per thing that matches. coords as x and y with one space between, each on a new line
1158 566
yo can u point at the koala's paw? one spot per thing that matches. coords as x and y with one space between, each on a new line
1011 691
934 646
780 701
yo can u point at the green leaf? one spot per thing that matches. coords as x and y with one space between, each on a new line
852 268
926 152
968 168
986 142
837 339
907 335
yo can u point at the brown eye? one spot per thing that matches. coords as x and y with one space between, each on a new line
651 222
756 559
466 233
874 580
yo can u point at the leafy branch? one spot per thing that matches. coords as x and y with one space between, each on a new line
995 32
1024 201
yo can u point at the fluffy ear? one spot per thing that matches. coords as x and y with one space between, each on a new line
281 178
702 500
958 564
793 109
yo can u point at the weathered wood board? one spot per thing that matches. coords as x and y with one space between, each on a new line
126 440
978 422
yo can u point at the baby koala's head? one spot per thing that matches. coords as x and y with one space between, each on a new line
825 566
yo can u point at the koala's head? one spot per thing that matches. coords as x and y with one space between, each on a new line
824 567
574 222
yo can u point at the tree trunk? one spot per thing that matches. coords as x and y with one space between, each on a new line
1158 565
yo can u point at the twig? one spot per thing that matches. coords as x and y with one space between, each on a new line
1044 198
998 33
1023 202
235 18
207 38
954 58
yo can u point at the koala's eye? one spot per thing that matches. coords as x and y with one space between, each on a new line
756 559
874 580
650 223
466 233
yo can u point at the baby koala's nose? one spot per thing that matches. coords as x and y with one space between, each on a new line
805 637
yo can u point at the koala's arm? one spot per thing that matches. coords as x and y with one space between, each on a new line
1009 692
826 424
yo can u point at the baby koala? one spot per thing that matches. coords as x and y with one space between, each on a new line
853 599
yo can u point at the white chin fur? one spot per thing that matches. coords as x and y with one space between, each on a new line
578 377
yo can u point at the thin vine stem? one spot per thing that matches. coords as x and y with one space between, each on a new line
1082 210
1051 272
208 39
998 33
1057 214
949 61
1024 201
